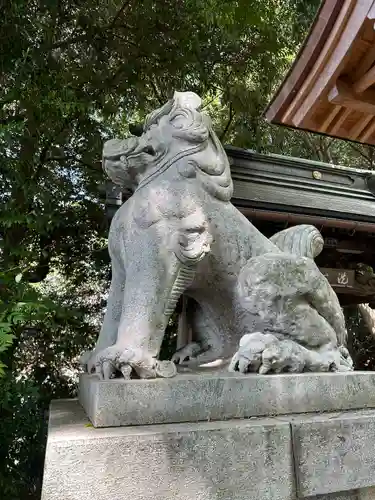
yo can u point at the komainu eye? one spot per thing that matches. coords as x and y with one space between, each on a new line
178 120
150 150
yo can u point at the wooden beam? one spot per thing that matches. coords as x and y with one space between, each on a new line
359 126
343 115
321 63
366 62
371 13
368 132
343 95
329 118
365 81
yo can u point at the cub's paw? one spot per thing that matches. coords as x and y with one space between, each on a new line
285 356
248 358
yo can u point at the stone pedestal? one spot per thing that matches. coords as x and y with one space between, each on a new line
207 396
210 437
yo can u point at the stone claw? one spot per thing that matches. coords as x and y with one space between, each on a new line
281 357
117 359
346 362
126 371
108 370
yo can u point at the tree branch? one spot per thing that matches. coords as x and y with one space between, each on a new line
325 146
101 32
209 102
358 150
310 143
125 6
71 158
229 123
65 43
157 92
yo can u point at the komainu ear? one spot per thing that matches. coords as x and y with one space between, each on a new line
187 100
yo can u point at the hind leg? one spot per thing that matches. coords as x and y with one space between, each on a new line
187 352
206 345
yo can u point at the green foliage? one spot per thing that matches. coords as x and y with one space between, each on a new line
6 339
22 437
17 308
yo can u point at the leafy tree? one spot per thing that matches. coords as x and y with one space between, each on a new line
22 438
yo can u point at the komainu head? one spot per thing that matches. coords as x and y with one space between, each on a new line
176 136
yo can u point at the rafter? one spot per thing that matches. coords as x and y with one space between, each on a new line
368 131
365 81
344 95
342 116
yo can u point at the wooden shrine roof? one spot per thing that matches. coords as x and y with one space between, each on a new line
276 187
330 88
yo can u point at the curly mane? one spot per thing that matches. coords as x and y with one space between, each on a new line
211 168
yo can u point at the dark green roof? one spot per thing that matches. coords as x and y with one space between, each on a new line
286 184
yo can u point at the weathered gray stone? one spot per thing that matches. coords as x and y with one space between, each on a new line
206 396
363 494
235 460
178 234
334 452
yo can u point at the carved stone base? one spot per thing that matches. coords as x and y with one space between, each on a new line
317 456
208 397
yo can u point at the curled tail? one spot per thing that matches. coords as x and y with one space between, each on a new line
303 240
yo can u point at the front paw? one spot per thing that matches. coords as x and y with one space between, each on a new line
283 356
117 359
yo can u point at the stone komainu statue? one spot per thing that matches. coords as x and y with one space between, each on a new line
258 304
